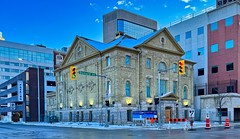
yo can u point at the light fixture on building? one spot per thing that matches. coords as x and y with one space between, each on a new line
80 104
91 102
185 103
71 104
149 101
129 100
61 105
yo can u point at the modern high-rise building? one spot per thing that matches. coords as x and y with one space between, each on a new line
123 22
211 38
15 58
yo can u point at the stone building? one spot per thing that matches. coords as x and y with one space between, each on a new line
125 72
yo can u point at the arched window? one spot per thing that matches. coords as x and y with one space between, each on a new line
127 89
174 67
109 87
162 66
184 92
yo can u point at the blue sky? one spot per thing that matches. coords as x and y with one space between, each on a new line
55 23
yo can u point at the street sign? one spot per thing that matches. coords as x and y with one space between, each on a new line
191 113
87 73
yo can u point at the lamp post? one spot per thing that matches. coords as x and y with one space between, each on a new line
159 104
38 92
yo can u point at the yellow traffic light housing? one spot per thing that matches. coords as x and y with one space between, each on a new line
73 73
181 67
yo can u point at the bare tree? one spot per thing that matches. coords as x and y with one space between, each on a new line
220 100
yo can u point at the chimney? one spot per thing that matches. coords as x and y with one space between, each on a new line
1 38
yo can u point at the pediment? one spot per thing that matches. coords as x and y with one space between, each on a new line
164 41
79 49
169 96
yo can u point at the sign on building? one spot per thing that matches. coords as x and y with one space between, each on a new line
191 113
20 90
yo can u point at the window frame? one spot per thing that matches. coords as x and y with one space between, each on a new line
229 44
200 73
212 69
214 48
214 26
148 63
188 34
229 21
231 68
128 89
200 30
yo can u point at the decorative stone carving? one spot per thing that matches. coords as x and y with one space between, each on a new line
91 85
80 87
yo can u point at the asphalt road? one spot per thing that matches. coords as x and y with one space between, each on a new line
16 131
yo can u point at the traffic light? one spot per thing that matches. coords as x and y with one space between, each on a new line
107 103
156 100
73 73
181 67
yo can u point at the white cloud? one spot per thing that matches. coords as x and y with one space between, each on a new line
203 0
188 6
115 7
97 20
120 2
186 1
165 5
108 7
93 5
138 8
129 4
193 8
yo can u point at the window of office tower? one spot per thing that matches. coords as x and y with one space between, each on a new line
13 53
133 30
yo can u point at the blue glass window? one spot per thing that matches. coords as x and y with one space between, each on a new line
228 21
108 61
229 44
188 34
127 87
162 66
185 92
163 87
200 30
148 63
174 87
174 67
188 55
214 26
214 48
148 88
120 25
127 60
200 51
177 38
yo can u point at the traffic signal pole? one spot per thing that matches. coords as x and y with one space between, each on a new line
106 99
181 71
159 104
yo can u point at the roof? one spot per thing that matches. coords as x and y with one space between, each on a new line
25 46
124 41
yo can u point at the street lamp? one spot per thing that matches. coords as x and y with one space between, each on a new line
38 92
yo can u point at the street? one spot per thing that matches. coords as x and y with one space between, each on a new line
13 131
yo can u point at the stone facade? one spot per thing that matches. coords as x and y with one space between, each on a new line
84 99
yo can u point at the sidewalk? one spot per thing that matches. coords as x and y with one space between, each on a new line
96 125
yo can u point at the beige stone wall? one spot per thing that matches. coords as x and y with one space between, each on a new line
88 90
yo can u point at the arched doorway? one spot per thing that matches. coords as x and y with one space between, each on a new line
168 113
